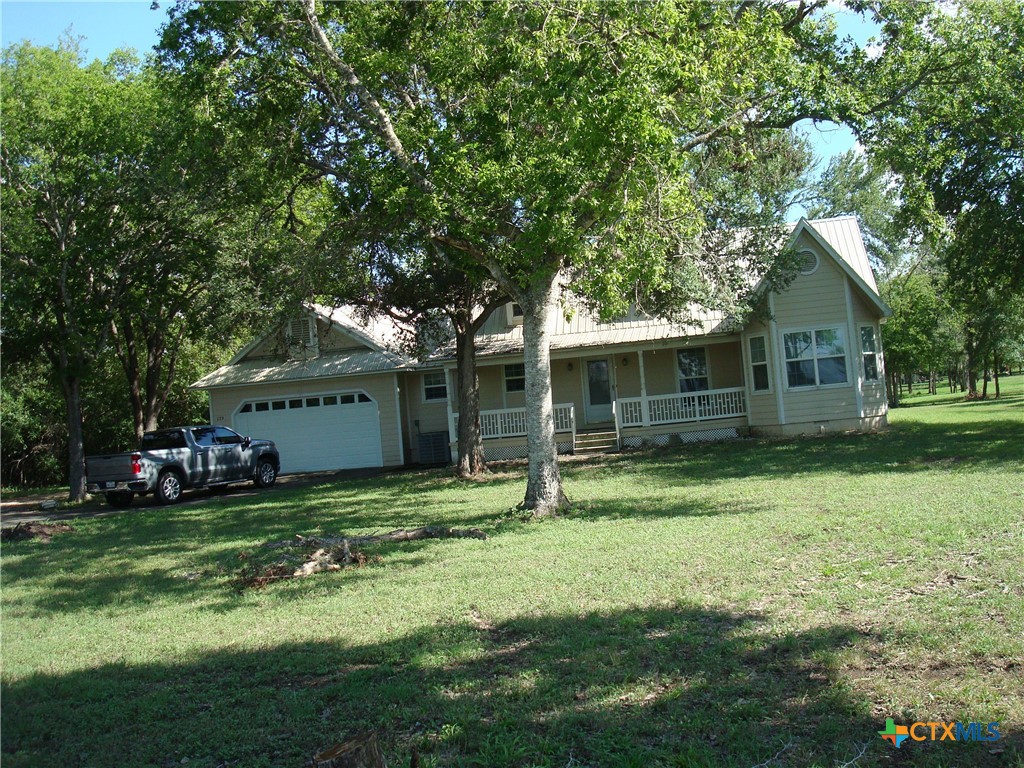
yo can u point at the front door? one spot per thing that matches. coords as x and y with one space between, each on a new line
598 388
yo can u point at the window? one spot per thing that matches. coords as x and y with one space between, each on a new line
297 403
347 399
331 400
312 402
515 377
435 387
247 408
693 369
869 350
225 436
364 399
263 406
277 405
203 436
164 441
759 364
815 358
515 313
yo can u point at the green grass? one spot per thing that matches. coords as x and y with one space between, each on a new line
708 605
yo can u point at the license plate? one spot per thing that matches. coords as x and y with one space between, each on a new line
109 484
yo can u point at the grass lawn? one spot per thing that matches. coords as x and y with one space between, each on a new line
725 605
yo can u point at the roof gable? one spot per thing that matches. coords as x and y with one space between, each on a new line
845 233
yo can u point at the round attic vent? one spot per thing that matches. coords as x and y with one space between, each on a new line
808 262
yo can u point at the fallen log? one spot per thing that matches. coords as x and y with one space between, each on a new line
402 534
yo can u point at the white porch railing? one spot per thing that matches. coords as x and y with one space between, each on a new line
687 406
511 422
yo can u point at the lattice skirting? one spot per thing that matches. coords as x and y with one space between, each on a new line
698 436
505 452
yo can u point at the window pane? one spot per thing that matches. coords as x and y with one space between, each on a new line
515 369
247 408
867 339
758 353
312 402
829 342
226 436
760 377
347 399
515 377
331 400
800 373
692 363
434 379
364 399
262 406
798 345
203 437
832 370
295 403
698 384
278 405
870 368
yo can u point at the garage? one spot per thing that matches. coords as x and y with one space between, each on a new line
339 430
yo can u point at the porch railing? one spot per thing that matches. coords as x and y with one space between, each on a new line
511 422
687 406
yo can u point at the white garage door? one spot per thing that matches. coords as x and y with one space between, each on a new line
316 432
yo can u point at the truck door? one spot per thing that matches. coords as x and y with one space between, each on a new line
205 458
235 460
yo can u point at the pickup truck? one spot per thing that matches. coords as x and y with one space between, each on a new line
170 460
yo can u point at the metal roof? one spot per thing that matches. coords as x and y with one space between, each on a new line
264 371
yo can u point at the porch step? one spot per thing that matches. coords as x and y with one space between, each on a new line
595 442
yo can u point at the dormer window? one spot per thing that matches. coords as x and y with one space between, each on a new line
302 337
515 313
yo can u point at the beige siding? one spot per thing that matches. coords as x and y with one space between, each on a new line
762 407
817 301
224 403
660 372
492 383
865 313
567 385
725 365
627 374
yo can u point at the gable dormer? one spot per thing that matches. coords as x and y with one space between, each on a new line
513 314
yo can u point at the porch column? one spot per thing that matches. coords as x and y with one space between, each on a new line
643 391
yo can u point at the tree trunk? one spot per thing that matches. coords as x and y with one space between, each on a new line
76 448
971 348
995 372
544 483
471 445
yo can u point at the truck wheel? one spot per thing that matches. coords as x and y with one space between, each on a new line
120 499
168 488
266 474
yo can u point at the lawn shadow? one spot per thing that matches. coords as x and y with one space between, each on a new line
637 687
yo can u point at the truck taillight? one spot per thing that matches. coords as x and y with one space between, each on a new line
136 463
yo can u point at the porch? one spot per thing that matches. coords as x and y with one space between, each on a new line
627 396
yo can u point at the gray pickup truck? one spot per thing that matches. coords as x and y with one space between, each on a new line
170 460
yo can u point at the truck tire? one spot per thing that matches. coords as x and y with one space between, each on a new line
120 499
168 487
266 474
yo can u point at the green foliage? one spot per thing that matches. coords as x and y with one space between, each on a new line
855 185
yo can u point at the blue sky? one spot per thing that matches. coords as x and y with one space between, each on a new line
106 26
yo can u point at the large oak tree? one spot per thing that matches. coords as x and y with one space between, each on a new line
552 144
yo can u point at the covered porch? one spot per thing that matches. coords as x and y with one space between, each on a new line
619 397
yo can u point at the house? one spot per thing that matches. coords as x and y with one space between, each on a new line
334 393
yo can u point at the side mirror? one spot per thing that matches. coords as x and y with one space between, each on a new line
246 441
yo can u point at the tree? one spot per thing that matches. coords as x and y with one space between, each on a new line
955 143
855 185
70 132
548 143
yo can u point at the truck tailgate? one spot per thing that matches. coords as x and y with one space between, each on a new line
116 466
